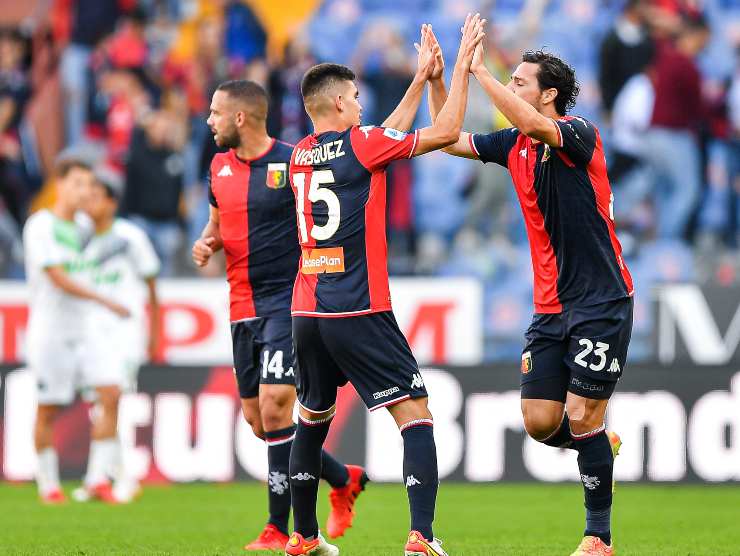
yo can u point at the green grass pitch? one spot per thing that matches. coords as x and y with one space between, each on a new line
473 520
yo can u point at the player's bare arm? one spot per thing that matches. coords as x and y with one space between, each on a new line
155 322
209 241
404 115
446 128
518 111
437 99
62 281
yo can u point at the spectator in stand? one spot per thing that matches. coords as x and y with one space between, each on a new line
92 21
626 50
287 118
733 108
386 65
671 146
15 92
154 182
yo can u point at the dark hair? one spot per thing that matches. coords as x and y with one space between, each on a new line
554 73
245 91
65 165
322 76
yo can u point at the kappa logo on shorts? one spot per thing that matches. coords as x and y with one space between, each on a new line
614 367
386 393
417 381
526 362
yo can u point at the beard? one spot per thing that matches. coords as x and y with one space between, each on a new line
228 140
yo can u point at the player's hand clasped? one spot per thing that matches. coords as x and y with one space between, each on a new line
203 249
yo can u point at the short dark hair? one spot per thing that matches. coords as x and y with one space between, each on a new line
554 73
65 165
323 75
245 91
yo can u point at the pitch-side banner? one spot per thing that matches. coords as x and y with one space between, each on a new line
184 424
442 319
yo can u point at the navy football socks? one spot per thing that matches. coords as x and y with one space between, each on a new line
305 471
596 464
420 474
279 443
561 438
333 471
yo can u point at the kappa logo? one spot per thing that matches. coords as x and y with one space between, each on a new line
303 477
590 482
417 381
523 153
385 393
614 367
412 481
225 171
278 482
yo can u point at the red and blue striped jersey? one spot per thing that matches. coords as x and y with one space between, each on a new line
567 204
339 182
258 228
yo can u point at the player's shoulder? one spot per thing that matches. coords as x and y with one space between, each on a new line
219 161
578 121
282 151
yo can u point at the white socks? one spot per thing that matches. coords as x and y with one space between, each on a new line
47 473
101 461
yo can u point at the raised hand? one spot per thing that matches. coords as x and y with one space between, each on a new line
477 63
439 61
472 35
426 57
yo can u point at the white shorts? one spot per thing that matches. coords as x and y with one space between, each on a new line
64 366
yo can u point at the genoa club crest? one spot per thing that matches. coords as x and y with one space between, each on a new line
277 175
526 362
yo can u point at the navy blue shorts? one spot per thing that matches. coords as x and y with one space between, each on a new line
369 351
582 350
263 353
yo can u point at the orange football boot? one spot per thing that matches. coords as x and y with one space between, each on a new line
343 500
298 546
271 538
594 546
417 545
53 497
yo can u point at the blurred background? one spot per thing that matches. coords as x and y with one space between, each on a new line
132 80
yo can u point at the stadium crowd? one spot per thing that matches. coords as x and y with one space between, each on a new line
131 81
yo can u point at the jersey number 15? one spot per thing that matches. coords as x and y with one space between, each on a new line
317 193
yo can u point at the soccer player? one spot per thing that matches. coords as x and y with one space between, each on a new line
576 346
120 263
58 352
252 217
343 325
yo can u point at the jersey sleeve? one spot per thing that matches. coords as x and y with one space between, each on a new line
145 259
494 147
41 248
211 196
376 147
577 138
